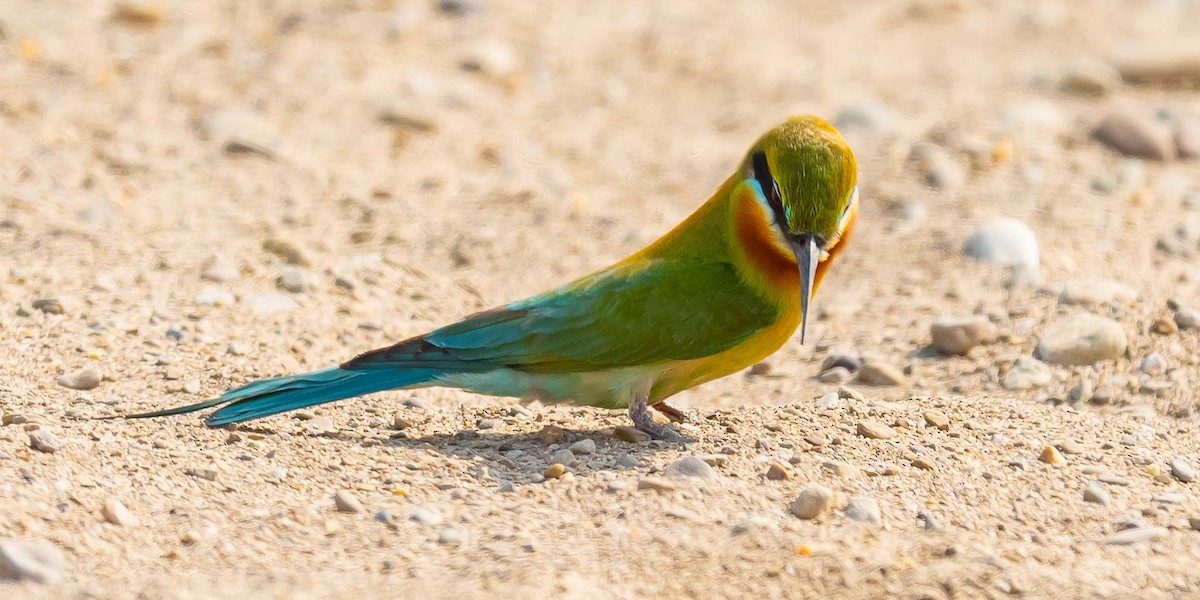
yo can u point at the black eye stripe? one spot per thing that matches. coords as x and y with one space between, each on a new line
762 174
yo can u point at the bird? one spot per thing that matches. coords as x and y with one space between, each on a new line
719 292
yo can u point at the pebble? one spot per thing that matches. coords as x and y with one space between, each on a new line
139 12
657 484
836 376
1090 78
863 508
1163 326
940 171
1096 495
426 516
1071 447
585 446
1006 242
1096 291
937 418
292 279
1194 523
1051 456
1112 479
31 560
1161 68
1187 138
1027 372
321 425
205 473
563 456
1082 339
239 130
867 116
453 536
1154 364
50 306
875 430
1135 135
345 502
211 296
629 434
288 251
86 378
460 8
829 401
690 466
43 440
1137 535
922 463
114 512
877 373
384 516
752 524
811 502
220 270
617 485
1183 471
492 58
777 472
266 304
554 471
958 335
841 469
849 362
1187 318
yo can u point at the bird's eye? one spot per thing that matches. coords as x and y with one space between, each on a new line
762 174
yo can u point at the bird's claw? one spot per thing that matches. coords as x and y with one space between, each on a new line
644 421
672 413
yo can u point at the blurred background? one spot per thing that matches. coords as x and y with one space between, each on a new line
193 194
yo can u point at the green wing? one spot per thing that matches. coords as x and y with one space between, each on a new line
661 311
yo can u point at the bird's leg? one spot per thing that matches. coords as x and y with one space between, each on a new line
672 413
644 421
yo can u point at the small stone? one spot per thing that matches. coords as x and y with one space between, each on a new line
550 435
1005 242
1096 495
864 509
50 306
760 369
191 386
875 430
1187 318
220 270
454 536
841 469
1082 339
937 418
205 473
690 466
1082 392
1027 372
939 169
657 484
1183 471
1187 138
174 373
139 12
345 502
321 425
830 401
752 524
239 131
114 512
1051 456
407 116
1135 135
922 463
1112 479
849 362
487 424
43 440
1194 523
1071 447
426 516
777 472
385 517
1164 326
211 296
811 502
492 58
292 279
617 485
83 379
584 447
288 251
269 303
876 373
31 560
1104 394
1167 69
563 456
956 336
1137 535
555 471
629 434
460 8
1096 291
836 376
1090 78
1153 364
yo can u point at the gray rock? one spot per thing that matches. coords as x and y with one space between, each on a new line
1006 242
1135 135
1082 339
1137 535
1161 68
266 304
690 466
877 373
836 375
863 508
345 502
958 335
86 378
1194 523
564 457
1154 364
292 279
453 536
753 523
43 440
1096 291
426 516
656 484
1025 373
1187 138
811 502
1187 318
875 430
31 560
1096 495
585 446
1090 78
1181 470
847 361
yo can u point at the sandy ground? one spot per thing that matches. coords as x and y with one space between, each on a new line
162 163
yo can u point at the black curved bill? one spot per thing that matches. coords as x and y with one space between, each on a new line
808 253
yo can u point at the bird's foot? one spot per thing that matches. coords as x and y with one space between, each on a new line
672 413
644 421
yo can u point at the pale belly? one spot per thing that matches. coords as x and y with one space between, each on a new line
614 388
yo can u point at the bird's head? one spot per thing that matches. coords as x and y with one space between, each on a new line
806 180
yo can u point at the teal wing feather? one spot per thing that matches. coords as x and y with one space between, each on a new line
658 312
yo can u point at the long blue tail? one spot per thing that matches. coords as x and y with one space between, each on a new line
281 394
